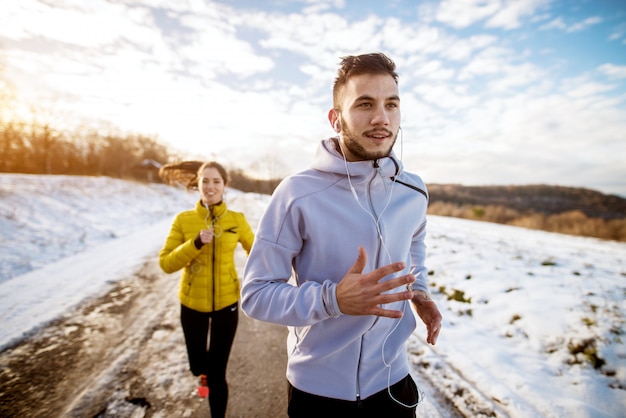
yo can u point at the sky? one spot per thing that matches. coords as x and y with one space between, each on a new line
492 91
510 339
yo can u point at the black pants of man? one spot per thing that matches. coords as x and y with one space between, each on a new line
211 362
379 405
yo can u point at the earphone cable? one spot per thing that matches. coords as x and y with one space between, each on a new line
376 220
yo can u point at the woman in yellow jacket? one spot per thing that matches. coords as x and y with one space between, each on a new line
202 243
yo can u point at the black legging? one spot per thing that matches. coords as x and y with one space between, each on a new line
211 362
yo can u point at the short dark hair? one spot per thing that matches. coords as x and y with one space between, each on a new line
351 65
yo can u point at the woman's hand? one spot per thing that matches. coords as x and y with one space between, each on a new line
205 236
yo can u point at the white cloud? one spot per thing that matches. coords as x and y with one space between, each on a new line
513 77
580 87
618 33
613 71
432 70
510 15
424 39
489 61
445 96
317 6
464 13
87 25
556 23
463 48
214 48
579 26
559 24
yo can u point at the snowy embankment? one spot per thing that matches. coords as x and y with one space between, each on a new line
533 321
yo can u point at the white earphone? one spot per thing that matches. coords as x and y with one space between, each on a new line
376 220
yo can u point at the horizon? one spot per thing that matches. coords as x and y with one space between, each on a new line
493 92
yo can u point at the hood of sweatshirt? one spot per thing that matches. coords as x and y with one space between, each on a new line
327 158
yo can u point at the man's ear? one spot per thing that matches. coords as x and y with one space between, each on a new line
333 118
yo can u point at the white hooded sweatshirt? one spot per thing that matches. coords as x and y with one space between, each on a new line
310 233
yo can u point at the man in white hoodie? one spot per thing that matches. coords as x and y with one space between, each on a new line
339 253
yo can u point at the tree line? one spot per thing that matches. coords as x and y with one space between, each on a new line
35 148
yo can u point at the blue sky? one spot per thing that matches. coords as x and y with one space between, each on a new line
493 91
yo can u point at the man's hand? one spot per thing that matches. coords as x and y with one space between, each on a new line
361 294
427 310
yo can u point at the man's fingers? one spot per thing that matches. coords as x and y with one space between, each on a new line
383 287
397 282
379 288
384 271
386 298
388 313
432 338
433 334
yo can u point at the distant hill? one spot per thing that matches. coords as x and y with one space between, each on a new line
548 200
567 210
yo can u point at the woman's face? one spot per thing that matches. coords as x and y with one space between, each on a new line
211 186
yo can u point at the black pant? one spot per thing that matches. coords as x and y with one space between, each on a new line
379 405
212 361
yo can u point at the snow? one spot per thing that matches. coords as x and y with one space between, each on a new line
526 313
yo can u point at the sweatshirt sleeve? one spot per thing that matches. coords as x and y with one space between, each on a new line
268 291
267 294
418 242
418 259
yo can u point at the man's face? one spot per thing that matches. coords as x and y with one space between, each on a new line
369 117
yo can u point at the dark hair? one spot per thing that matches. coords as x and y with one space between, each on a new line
188 173
351 65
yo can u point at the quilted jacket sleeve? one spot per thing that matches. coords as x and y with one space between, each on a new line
177 252
246 236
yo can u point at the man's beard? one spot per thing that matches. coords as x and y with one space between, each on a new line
357 149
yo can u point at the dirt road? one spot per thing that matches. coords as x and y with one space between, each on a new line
123 355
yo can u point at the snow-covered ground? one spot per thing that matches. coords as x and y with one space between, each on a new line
533 321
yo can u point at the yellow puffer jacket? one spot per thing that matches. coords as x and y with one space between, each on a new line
209 280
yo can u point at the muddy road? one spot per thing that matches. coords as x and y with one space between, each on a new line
122 354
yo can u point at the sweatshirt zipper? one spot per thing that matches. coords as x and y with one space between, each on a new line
378 252
377 226
358 383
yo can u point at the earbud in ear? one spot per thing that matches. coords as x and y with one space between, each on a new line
336 125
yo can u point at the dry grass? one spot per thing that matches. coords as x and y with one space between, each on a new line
572 222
